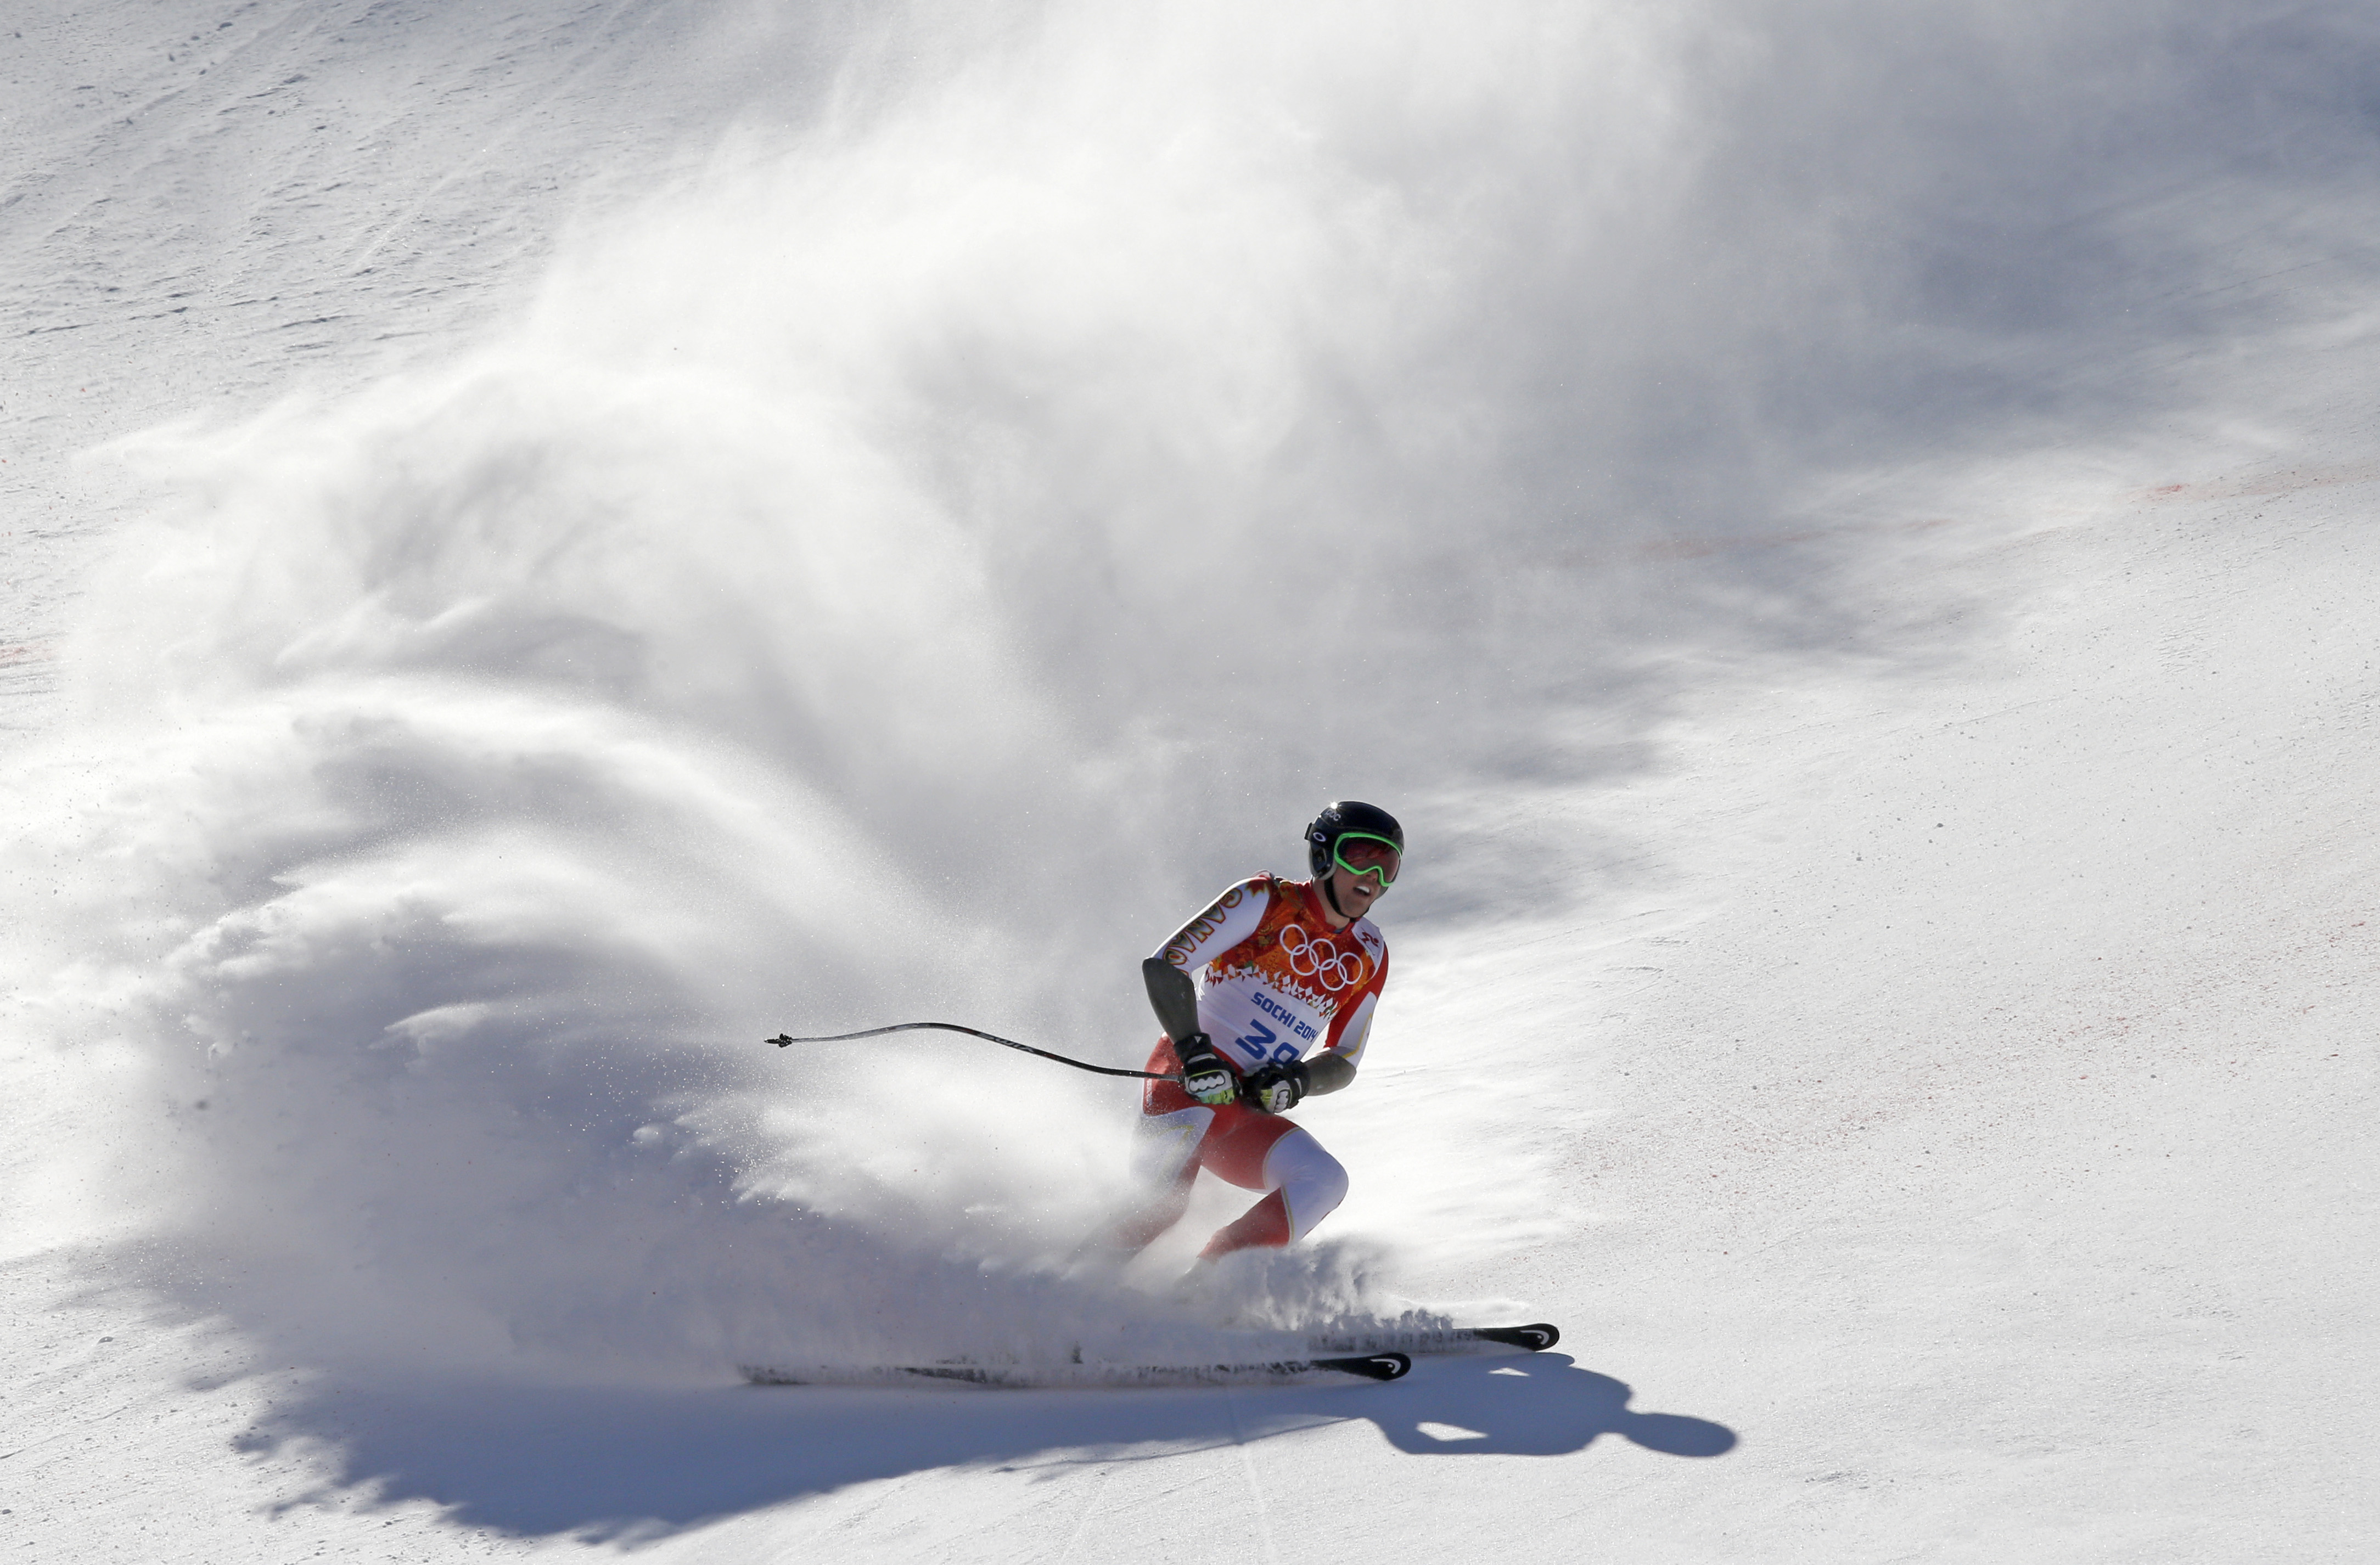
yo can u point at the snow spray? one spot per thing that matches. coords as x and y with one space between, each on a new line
905 569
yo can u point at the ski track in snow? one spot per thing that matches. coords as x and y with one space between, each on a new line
1890 932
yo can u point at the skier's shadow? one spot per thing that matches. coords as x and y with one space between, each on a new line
1543 1404
633 1465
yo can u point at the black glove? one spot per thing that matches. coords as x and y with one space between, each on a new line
1204 1074
1276 1088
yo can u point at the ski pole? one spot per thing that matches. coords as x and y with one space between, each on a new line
782 1041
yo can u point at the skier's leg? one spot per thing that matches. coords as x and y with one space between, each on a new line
1307 1185
1164 1166
1263 1226
1310 1181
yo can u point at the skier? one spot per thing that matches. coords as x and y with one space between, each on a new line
1244 990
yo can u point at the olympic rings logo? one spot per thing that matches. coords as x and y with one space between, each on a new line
1325 964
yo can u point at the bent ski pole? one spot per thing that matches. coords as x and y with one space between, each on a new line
782 1041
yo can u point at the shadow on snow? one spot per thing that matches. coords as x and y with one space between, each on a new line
637 1462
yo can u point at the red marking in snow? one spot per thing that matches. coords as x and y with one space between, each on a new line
2270 483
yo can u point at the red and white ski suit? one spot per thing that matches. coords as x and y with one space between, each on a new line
1274 980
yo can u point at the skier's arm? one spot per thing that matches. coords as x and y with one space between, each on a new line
1206 1075
1327 1073
1335 1066
1232 918
1172 996
1277 1087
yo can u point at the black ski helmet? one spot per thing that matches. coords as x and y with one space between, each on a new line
1336 820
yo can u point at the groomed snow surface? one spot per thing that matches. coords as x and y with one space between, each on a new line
545 544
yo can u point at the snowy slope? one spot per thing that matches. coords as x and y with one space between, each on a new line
209 204
1847 540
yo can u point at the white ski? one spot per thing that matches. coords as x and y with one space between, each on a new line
1047 1376
1431 1342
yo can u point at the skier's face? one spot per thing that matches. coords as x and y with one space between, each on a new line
1354 892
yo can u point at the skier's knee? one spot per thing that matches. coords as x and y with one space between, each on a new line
1311 1182
1317 1196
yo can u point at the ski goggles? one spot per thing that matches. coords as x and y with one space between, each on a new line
1360 853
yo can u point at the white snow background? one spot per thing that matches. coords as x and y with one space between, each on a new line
546 545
